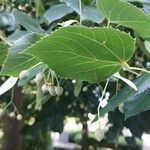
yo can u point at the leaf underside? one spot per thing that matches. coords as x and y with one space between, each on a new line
81 53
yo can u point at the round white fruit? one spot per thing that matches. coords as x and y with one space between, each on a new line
19 117
24 74
85 89
59 90
66 93
39 77
29 106
45 88
12 115
51 90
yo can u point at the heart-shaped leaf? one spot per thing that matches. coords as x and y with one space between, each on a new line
82 53
125 14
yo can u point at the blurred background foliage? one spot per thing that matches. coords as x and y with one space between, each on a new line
79 99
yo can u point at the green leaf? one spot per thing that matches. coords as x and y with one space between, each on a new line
3 52
125 14
81 53
88 12
16 61
128 94
27 21
137 104
57 12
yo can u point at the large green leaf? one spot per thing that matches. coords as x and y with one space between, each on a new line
27 21
90 54
88 12
3 52
125 14
138 100
16 61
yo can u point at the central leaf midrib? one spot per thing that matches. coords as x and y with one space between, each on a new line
82 56
93 41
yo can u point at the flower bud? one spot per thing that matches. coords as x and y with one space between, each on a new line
103 103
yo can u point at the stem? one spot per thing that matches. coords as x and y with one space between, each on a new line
56 79
127 67
103 93
108 23
80 7
134 72
11 102
11 99
139 69
48 76
117 83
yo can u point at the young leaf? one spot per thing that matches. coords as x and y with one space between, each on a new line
81 53
125 14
